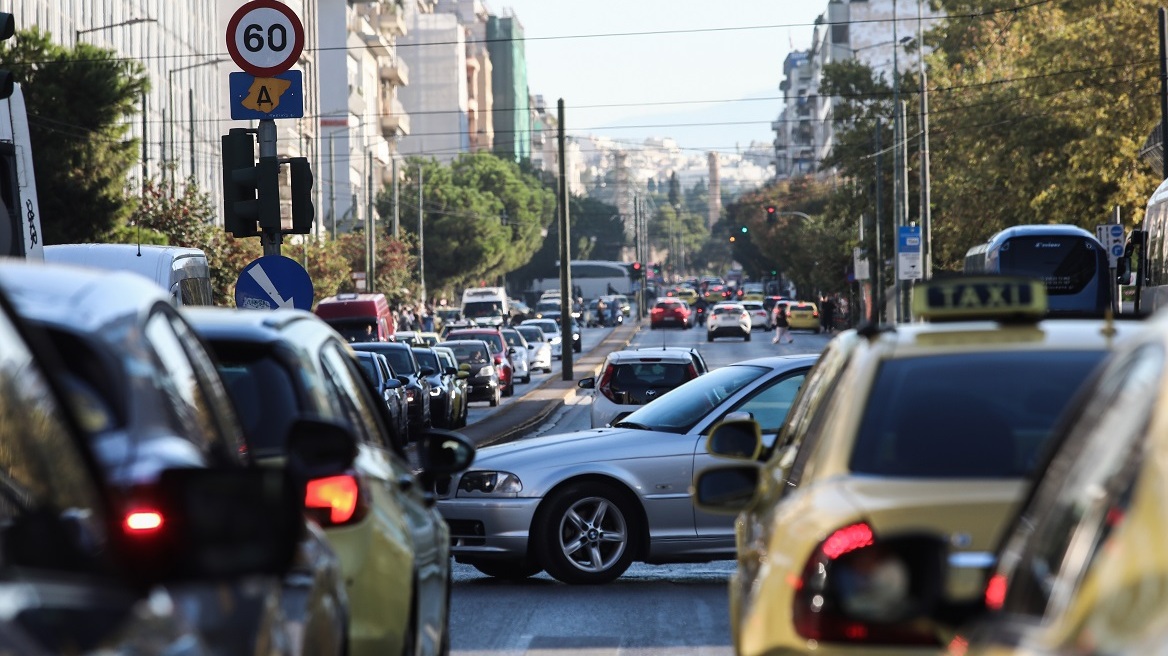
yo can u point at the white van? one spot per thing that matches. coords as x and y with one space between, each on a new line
183 272
18 194
487 306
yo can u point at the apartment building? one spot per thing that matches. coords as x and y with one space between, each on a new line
473 15
512 115
438 97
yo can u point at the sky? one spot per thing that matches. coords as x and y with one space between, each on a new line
633 71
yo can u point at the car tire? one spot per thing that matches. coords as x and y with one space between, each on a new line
748 335
527 379
607 535
495 399
709 337
510 389
509 570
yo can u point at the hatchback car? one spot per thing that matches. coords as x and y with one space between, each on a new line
540 349
631 378
759 318
520 354
670 313
803 315
924 428
414 380
727 319
504 368
443 388
483 379
585 505
386 385
551 331
392 544
74 574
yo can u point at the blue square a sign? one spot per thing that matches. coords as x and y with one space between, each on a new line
258 98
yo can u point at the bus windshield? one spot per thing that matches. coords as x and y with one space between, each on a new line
1065 263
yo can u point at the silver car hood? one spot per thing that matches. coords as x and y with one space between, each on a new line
607 444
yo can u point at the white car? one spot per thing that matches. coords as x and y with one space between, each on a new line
551 330
520 354
759 317
631 378
539 348
727 319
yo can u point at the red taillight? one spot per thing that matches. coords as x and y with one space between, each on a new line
334 500
995 592
605 385
142 522
815 615
691 372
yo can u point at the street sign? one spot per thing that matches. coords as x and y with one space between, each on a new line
273 282
265 37
908 252
1112 236
860 264
259 98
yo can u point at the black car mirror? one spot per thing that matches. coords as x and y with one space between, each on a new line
318 448
393 383
404 380
450 371
531 347
443 453
218 523
736 437
726 490
587 383
428 371
511 351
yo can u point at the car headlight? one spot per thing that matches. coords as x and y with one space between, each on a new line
487 371
489 483
411 396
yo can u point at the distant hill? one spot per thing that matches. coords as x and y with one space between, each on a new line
707 126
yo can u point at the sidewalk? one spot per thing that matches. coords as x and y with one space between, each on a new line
536 406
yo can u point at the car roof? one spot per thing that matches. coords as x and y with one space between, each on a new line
649 355
246 325
81 298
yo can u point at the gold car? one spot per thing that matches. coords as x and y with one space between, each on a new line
803 315
687 294
925 427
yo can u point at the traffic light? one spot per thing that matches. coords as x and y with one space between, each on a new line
771 213
7 31
657 269
636 267
251 191
301 190
731 239
744 230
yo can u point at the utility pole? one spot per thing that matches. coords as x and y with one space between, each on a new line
926 212
145 148
271 238
191 125
566 341
371 227
421 243
879 273
332 183
396 221
1163 100
906 286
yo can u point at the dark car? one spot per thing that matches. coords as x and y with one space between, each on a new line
409 372
443 387
494 338
483 378
148 403
385 384
458 399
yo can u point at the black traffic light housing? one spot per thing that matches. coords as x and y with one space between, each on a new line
771 213
251 189
303 212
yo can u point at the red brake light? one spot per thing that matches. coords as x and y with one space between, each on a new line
142 522
691 372
995 592
846 540
336 499
605 385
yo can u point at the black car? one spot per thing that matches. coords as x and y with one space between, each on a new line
385 384
443 381
483 381
409 372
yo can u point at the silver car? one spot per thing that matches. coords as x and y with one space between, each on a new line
583 506
520 354
539 346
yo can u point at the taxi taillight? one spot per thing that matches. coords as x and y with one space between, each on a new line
995 592
142 521
335 500
814 613
605 385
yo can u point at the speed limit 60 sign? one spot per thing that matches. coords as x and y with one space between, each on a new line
265 37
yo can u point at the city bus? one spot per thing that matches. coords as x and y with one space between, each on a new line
591 279
1068 259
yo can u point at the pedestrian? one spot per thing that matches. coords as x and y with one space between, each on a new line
827 311
781 325
428 318
601 312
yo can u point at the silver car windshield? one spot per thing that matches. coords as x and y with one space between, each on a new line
681 409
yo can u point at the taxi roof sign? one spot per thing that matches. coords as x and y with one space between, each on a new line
999 298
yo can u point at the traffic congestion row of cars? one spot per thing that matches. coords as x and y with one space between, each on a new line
205 481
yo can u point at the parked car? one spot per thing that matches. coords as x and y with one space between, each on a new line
73 577
727 319
670 313
443 387
386 385
517 349
461 392
511 516
483 381
392 544
631 378
405 365
493 336
150 400
540 349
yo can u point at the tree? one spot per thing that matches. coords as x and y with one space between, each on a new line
78 100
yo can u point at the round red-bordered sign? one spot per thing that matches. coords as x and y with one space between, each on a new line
265 37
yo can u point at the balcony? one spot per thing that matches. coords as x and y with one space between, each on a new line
377 44
395 122
390 20
396 72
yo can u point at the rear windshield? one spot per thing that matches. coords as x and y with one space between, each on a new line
645 375
355 330
975 415
531 334
727 310
469 352
513 338
479 309
265 399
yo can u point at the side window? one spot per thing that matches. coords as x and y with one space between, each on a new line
40 463
228 435
350 394
1086 490
770 405
175 376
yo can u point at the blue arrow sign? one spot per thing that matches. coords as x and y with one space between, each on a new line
258 98
272 282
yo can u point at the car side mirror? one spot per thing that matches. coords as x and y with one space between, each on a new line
531 347
511 351
738 436
318 448
450 371
403 379
217 523
587 383
393 383
726 489
443 453
428 371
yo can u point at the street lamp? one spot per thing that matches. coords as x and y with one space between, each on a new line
133 21
174 112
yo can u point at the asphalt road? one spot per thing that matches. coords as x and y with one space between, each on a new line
651 610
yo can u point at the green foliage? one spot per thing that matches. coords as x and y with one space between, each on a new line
78 100
590 219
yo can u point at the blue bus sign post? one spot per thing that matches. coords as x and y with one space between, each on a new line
908 253
273 282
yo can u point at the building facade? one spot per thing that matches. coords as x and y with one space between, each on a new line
512 113
438 98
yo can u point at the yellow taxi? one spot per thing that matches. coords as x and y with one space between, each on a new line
803 315
753 291
687 294
925 428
